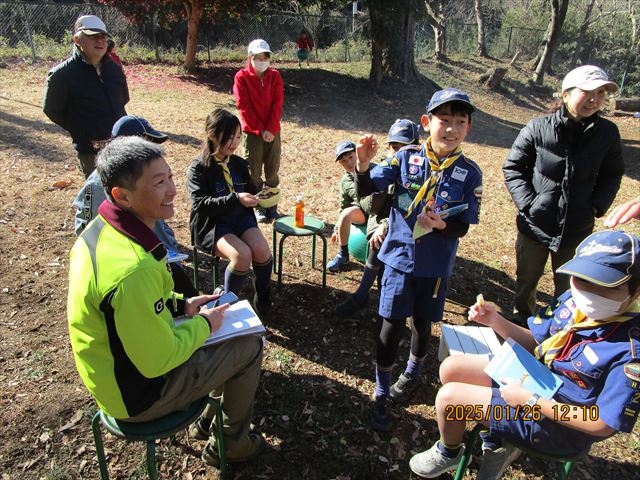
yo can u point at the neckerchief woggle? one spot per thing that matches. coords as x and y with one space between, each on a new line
436 167
553 346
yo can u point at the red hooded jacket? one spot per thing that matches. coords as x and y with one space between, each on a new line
259 100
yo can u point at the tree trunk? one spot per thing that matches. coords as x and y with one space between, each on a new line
482 47
392 43
195 10
582 33
558 14
436 19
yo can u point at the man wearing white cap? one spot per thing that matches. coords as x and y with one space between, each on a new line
87 93
259 97
564 169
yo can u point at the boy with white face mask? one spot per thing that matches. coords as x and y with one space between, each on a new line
259 97
590 338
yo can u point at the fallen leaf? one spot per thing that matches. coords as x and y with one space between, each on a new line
62 184
45 437
71 423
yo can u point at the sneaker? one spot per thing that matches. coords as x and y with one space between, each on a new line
219 290
404 387
350 306
495 462
244 451
198 431
381 415
337 263
261 215
432 463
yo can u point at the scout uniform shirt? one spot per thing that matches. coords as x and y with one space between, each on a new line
431 255
599 366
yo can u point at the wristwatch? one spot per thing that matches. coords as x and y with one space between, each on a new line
533 400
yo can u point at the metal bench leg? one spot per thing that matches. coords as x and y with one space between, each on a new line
324 261
151 460
469 445
216 272
275 253
313 251
97 440
196 276
280 255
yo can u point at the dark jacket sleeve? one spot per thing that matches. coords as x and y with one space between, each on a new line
518 169
56 96
455 229
203 199
609 176
364 184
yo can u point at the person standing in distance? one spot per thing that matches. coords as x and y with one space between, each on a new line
259 96
86 94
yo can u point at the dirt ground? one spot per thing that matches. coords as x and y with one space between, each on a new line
315 393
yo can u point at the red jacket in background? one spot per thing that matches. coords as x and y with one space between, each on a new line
304 42
259 100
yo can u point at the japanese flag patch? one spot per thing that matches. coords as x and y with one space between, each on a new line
416 160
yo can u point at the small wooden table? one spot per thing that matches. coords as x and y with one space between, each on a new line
461 339
286 227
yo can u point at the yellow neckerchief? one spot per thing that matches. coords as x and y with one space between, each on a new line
435 172
553 346
224 165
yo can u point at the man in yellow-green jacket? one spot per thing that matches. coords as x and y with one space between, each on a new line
121 305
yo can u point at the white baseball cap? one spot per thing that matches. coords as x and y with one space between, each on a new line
258 46
90 25
588 77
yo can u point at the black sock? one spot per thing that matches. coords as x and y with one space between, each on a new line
344 250
449 452
490 441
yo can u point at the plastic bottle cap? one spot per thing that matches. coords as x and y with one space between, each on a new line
299 198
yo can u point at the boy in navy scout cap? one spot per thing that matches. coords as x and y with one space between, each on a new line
590 338
428 179
352 210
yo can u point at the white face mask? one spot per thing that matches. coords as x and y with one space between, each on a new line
594 306
260 65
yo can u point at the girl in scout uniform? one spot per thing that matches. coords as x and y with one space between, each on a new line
428 179
590 338
222 202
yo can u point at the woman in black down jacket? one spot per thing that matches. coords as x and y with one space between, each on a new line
563 170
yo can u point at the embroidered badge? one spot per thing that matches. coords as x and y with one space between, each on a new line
632 371
416 160
159 306
413 169
444 194
564 313
459 174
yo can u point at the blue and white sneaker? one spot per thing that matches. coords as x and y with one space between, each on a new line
338 262
261 215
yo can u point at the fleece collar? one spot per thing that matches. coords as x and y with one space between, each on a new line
131 226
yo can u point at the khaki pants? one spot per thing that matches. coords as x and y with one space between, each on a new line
260 153
86 163
230 369
531 258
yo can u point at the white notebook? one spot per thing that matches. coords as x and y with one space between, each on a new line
238 320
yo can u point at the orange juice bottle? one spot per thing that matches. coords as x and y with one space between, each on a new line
299 217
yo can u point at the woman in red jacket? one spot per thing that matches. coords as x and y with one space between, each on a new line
259 98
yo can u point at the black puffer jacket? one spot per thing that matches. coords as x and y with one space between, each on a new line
84 103
561 174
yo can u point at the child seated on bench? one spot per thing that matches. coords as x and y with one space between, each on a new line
590 337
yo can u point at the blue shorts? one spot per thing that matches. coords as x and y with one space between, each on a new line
235 225
544 435
403 294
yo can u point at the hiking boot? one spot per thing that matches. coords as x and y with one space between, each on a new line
200 430
404 387
432 463
337 263
261 307
272 213
381 415
261 215
244 451
350 306
495 462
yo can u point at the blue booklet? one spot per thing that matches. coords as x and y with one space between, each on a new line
418 231
173 256
513 361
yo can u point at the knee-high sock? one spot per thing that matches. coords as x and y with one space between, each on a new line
263 278
234 280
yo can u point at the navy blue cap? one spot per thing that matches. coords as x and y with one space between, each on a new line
448 95
403 131
608 258
344 147
132 126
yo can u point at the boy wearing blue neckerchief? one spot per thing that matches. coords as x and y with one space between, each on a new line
429 179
